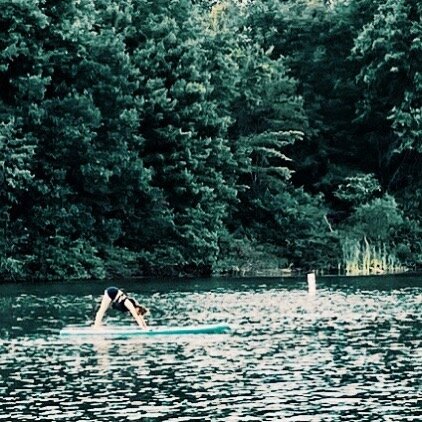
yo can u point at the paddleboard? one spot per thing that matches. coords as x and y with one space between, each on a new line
135 331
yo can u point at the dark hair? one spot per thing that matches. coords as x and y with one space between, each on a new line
141 310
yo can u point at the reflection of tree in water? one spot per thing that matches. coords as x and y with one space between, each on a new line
349 352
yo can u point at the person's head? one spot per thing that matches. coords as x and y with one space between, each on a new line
141 310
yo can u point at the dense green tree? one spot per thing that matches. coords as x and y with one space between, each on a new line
184 129
152 137
80 112
16 179
22 87
316 39
65 126
268 120
389 51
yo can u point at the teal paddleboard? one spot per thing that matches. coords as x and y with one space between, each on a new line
134 331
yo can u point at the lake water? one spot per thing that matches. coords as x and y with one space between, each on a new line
352 352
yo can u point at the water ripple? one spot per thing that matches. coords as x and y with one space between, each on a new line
342 355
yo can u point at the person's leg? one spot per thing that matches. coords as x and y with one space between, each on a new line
105 303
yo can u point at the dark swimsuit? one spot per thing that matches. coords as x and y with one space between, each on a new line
118 299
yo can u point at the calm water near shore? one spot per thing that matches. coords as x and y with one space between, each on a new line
352 352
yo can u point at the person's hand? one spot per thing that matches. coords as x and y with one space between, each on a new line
142 325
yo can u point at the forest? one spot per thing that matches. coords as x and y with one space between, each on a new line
188 137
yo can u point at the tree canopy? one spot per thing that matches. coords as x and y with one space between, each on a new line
142 137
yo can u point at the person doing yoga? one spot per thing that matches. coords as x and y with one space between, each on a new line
120 301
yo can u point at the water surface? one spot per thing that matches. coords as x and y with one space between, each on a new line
352 352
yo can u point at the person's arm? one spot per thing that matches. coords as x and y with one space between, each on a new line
139 319
105 303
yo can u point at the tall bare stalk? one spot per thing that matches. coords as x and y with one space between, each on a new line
360 257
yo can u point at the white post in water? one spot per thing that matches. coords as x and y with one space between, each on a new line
311 283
